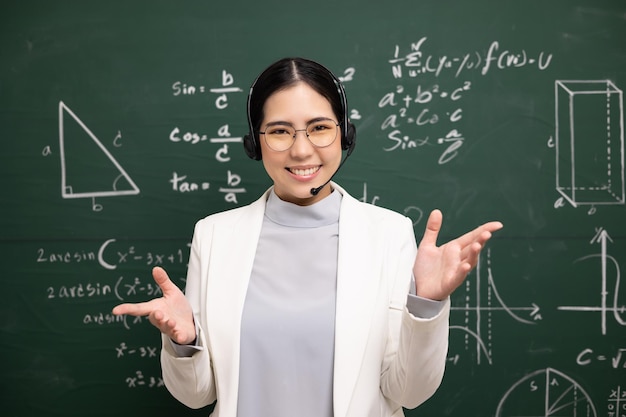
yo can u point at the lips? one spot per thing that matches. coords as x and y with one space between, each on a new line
304 172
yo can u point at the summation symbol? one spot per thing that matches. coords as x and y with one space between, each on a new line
88 170
602 237
476 312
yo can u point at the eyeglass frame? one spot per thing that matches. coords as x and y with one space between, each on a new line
305 130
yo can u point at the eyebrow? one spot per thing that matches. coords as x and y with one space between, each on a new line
281 122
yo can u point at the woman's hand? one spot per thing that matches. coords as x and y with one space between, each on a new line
171 314
438 271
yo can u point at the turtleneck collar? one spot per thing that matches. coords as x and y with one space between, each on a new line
322 213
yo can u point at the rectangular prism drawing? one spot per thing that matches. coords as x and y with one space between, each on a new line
589 142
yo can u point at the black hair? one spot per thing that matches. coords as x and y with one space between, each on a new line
285 73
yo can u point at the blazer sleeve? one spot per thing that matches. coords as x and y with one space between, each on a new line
416 350
191 379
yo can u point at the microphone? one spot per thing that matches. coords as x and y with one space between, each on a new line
316 190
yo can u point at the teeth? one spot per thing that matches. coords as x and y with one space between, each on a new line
304 172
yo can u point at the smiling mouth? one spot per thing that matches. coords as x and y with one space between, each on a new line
304 172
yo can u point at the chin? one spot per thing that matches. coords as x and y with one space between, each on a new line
301 196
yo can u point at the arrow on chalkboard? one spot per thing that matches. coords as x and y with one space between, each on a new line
602 237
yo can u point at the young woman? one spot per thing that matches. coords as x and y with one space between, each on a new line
308 302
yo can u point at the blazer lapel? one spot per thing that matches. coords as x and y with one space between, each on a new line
230 265
355 297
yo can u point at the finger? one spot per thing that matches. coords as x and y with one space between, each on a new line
478 233
159 320
169 327
464 269
433 225
492 226
163 280
137 309
481 239
470 254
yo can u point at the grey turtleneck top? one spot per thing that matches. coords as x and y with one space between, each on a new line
288 321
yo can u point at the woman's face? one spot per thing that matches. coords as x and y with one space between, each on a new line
303 166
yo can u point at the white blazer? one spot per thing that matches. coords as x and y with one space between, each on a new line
385 358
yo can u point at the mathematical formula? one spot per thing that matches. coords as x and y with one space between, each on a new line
419 62
110 254
436 109
221 102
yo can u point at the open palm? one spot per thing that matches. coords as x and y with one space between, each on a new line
439 270
171 313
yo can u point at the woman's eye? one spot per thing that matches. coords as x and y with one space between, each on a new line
320 128
279 132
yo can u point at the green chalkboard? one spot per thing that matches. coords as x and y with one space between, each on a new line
121 126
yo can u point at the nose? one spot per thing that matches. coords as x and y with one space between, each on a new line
302 146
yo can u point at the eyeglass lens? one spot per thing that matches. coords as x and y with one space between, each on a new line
321 133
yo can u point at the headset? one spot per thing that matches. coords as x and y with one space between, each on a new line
252 145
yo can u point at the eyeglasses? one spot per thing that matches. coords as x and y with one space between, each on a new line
321 133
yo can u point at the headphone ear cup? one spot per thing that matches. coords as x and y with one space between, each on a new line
349 141
251 148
